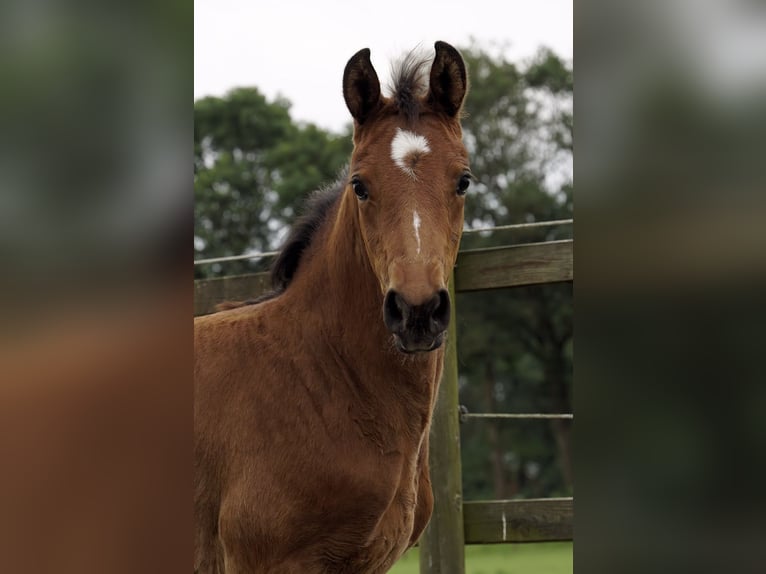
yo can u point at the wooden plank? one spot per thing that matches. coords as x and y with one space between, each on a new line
535 520
442 547
209 292
525 264
477 269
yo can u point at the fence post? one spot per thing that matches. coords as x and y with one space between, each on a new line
442 546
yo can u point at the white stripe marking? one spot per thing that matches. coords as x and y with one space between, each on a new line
416 225
404 144
504 526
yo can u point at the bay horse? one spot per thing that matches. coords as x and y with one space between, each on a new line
313 405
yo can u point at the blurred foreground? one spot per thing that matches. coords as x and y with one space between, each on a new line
671 272
95 336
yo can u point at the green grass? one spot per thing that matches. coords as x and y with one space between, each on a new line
540 558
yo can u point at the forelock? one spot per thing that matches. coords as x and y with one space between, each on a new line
409 83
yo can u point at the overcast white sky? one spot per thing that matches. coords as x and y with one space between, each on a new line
298 48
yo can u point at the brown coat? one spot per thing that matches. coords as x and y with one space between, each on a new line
313 407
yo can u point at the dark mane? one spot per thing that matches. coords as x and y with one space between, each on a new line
410 83
315 211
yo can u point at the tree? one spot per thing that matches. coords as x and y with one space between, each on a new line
515 346
252 164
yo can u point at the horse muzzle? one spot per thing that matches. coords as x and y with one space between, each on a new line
417 328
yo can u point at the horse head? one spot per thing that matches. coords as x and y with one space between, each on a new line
409 173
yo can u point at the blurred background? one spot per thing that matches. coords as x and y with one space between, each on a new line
671 206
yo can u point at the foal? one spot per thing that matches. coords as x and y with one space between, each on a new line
312 407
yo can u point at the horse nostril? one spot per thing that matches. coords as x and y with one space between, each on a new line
441 311
431 317
394 311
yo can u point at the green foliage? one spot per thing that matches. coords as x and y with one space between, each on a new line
518 131
252 165
515 345
550 72
312 158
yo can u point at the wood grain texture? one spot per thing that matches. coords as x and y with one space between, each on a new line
536 520
442 548
525 264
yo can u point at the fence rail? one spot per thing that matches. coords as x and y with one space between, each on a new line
532 520
476 269
525 264
455 523
485 230
515 416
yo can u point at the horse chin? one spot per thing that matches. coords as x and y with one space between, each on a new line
411 346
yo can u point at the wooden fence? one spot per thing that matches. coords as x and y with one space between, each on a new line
456 523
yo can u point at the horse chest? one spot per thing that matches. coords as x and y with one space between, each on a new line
381 535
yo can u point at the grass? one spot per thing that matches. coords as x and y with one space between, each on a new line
540 558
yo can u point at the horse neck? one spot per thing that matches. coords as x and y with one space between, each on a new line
339 290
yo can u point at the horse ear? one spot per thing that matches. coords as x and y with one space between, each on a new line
449 81
361 88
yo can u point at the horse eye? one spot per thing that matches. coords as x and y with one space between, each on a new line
463 183
359 189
